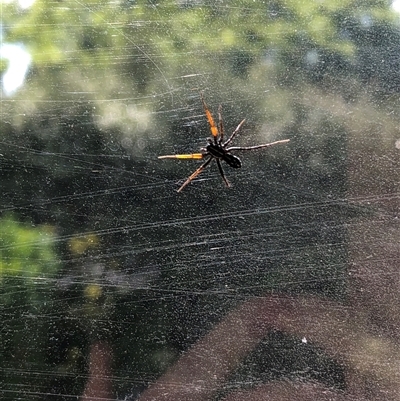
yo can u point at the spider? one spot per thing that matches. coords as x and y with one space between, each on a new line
217 149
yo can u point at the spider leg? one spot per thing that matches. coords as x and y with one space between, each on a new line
221 171
213 127
265 145
195 174
234 133
221 125
189 156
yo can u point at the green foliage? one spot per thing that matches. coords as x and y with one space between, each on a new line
28 267
27 252
3 65
126 60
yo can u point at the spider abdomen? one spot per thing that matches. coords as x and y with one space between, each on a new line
220 153
233 161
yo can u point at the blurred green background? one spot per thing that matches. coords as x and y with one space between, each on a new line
96 244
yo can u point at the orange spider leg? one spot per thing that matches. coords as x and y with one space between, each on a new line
189 156
213 127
